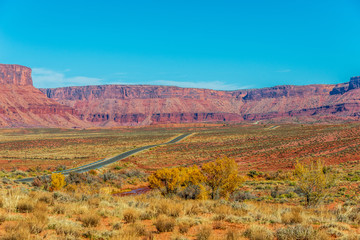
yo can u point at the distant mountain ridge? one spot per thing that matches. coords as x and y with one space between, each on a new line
119 105
146 104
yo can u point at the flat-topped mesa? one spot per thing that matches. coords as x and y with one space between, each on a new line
345 87
354 82
15 75
286 91
124 92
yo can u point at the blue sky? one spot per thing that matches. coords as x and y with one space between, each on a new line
209 44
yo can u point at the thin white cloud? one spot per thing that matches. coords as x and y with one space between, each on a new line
283 71
216 85
45 78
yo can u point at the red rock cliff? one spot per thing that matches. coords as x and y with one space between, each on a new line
108 105
22 105
144 104
15 75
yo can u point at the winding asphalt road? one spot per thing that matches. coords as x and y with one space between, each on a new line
106 161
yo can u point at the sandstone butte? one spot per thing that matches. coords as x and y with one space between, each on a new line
22 105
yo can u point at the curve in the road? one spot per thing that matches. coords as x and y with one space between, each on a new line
106 161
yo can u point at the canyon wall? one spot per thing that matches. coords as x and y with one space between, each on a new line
22 105
146 104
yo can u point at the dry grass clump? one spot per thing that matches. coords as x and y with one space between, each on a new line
335 229
1 203
232 234
46 198
222 210
292 217
38 221
90 220
65 227
192 208
25 206
184 227
300 232
258 232
94 202
219 225
193 221
335 232
2 218
204 232
96 234
16 231
59 209
117 226
11 198
130 215
354 215
339 226
148 214
140 230
164 223
125 234
169 208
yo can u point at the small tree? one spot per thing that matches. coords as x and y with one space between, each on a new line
222 177
57 181
170 180
192 176
314 181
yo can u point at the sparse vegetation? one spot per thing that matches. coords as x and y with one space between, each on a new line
220 177
164 224
258 232
130 215
196 203
89 220
314 181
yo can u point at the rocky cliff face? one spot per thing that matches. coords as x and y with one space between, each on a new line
345 87
354 83
136 105
124 92
15 75
22 105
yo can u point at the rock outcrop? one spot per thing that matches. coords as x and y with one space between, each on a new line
15 75
144 104
22 105
108 105
354 83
